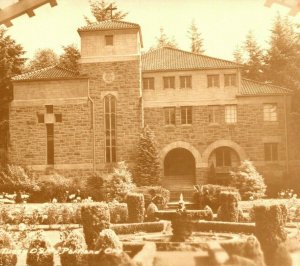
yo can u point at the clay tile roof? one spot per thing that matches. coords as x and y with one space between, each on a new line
48 73
167 58
251 87
109 25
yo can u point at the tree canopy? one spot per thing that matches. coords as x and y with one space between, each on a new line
69 59
43 58
196 39
11 63
164 41
103 10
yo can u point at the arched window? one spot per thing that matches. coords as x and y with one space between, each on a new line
110 128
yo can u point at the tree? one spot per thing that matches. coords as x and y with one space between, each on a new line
11 63
238 55
164 41
102 11
43 58
254 63
196 40
69 59
248 181
147 170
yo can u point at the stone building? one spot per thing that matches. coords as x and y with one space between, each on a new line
206 117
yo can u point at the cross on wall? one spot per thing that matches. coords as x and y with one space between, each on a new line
50 117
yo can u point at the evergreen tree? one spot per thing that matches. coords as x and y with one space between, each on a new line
147 170
101 10
69 59
248 181
238 55
254 63
11 63
164 41
196 40
43 58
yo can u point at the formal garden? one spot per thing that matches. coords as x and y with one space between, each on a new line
93 220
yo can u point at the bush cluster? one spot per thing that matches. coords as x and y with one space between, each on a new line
158 195
118 212
136 207
269 222
39 251
108 240
229 210
94 218
210 195
6 242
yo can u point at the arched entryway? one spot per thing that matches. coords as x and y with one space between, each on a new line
179 169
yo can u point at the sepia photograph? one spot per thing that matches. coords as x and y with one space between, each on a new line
150 133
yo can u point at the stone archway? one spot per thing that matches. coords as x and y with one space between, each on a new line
179 169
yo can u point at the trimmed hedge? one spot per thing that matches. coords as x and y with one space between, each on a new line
6 243
210 195
95 218
132 228
270 221
191 214
108 239
158 195
228 211
206 226
136 207
118 212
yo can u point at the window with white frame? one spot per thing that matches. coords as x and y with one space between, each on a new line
186 114
230 114
270 112
185 82
213 81
230 80
169 82
169 115
148 83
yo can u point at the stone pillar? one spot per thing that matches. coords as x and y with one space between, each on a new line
201 175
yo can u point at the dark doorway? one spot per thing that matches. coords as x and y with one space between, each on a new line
50 143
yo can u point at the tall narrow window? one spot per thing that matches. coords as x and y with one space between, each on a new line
270 112
169 115
223 157
271 152
213 114
50 143
230 114
186 115
110 128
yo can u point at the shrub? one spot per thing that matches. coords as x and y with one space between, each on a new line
147 169
210 195
94 218
93 187
150 212
118 212
158 195
119 183
16 178
108 239
71 249
136 207
6 242
39 253
269 229
228 211
248 181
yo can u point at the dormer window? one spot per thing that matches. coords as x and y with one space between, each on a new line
109 40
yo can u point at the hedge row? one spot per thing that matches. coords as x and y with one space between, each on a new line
56 213
191 214
132 228
206 226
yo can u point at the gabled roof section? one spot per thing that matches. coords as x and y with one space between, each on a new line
110 25
255 88
166 58
48 73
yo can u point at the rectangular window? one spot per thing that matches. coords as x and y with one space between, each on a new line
109 40
169 115
223 157
230 80
169 82
148 83
230 114
213 112
186 82
271 151
213 81
58 118
270 112
41 118
50 143
186 115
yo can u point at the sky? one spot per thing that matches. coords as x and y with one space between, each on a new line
222 23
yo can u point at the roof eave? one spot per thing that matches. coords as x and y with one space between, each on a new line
262 94
187 69
47 79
